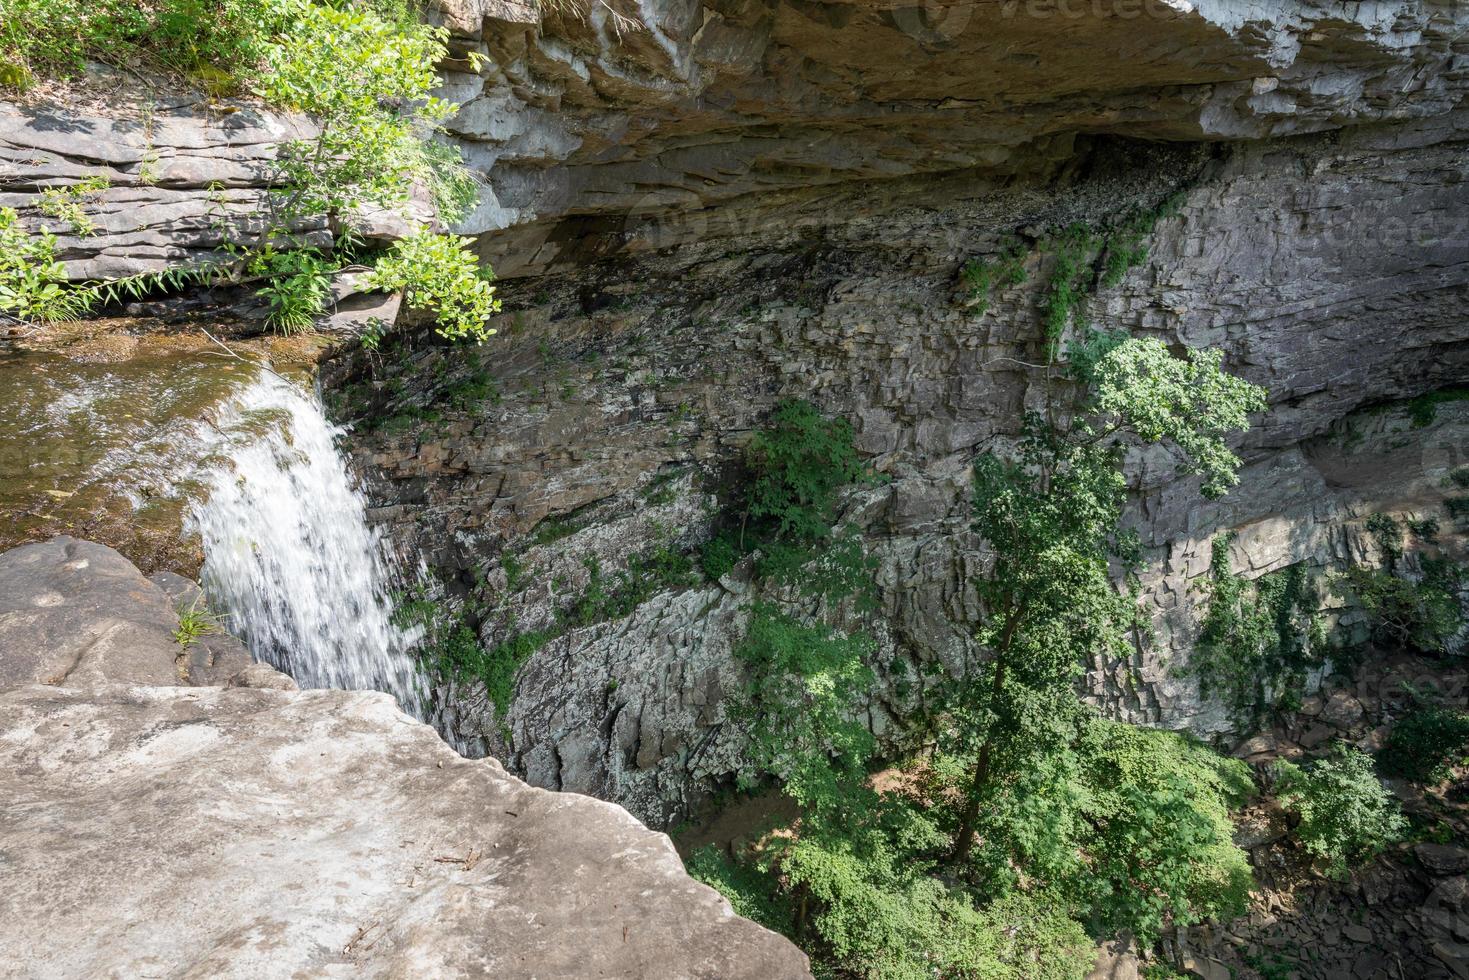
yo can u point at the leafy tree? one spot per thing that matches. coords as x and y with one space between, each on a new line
439 274
367 84
1421 614
1346 815
804 681
1050 514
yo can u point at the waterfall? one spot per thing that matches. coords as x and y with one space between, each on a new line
289 558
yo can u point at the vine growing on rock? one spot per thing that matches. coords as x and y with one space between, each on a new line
1258 639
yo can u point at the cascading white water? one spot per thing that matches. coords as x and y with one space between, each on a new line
289 556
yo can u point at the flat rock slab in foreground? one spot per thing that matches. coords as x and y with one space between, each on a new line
213 832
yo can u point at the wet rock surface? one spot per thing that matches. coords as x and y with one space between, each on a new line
248 832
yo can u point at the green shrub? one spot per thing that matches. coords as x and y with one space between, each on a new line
797 465
218 40
439 274
1161 844
863 901
1346 816
367 84
805 681
68 203
980 276
33 284
297 288
1416 615
1425 743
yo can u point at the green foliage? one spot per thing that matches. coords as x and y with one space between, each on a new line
805 679
33 284
795 468
1190 403
451 648
863 899
981 276
1071 274
68 203
367 83
1050 515
1125 244
195 623
1346 816
439 274
217 41
797 465
1258 639
660 569
1155 806
298 284
1425 744
1424 409
1421 614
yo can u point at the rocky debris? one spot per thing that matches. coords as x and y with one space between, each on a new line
1403 915
255 830
1443 859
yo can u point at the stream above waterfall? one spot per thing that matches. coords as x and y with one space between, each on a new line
202 461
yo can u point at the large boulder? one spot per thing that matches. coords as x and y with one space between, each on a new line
254 830
80 614
226 832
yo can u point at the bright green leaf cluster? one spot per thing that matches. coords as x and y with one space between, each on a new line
33 284
1346 815
1191 403
441 275
805 680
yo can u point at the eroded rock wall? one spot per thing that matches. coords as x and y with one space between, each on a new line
1332 269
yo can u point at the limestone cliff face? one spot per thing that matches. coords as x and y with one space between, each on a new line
717 207
702 208
739 114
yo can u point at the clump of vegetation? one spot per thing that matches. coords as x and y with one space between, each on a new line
33 284
363 70
1346 816
804 681
68 203
981 276
796 467
195 623
1425 744
439 274
1424 409
297 286
1258 639
1419 615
